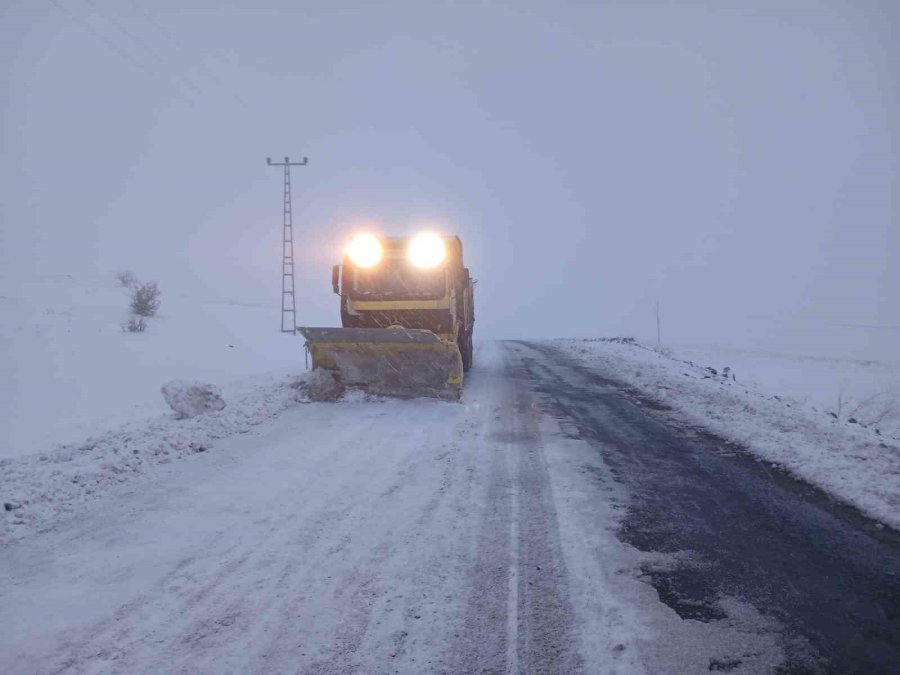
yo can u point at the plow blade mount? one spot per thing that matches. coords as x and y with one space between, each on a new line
388 361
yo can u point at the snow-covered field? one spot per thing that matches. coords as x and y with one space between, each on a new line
868 391
81 408
69 372
834 423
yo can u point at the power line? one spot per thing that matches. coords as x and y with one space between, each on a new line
137 39
175 42
103 38
149 50
122 53
866 326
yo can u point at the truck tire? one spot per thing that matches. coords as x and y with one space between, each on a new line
465 348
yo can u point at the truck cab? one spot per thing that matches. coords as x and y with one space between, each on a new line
411 282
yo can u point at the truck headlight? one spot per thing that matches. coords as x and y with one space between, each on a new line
426 250
364 250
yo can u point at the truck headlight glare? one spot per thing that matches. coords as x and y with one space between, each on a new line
426 251
364 250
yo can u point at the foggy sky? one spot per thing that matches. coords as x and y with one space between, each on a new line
735 161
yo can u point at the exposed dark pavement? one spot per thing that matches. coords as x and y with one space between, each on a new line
830 576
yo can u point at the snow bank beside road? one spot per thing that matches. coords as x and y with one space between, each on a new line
867 391
857 464
37 490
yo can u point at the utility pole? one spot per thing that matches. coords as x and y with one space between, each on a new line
288 299
658 339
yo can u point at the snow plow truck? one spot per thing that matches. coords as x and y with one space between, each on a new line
407 316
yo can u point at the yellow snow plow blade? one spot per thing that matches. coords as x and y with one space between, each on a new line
388 361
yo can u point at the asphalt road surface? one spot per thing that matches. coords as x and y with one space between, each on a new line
553 522
830 577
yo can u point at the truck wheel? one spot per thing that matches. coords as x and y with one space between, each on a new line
465 348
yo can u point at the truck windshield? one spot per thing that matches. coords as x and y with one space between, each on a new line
397 279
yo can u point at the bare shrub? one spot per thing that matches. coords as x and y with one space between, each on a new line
127 279
136 324
145 299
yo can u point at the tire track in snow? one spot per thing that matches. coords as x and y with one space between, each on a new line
545 637
518 617
483 639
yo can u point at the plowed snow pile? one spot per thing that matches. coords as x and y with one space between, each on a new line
778 407
37 490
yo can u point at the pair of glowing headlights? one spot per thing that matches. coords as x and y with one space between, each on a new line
425 250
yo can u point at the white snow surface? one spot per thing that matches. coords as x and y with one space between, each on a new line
69 372
868 391
41 489
779 407
279 534
364 536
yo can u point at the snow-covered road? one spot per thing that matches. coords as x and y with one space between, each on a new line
376 537
359 537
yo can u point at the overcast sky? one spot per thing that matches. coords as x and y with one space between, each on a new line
736 161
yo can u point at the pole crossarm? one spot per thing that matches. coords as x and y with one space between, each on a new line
287 162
